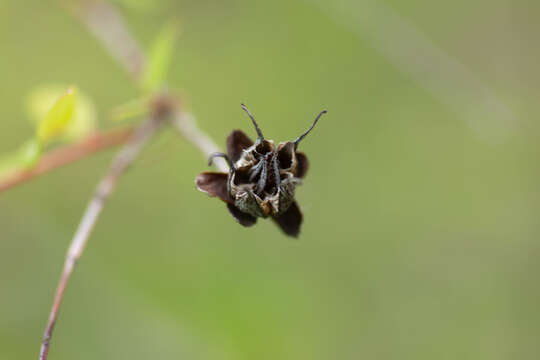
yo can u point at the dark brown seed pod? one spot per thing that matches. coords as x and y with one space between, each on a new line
262 178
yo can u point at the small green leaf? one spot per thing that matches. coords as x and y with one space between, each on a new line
25 157
42 98
160 57
131 109
58 118
30 153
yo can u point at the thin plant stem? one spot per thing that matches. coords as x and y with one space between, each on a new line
119 165
107 24
187 127
66 155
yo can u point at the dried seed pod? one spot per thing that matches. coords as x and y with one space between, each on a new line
262 178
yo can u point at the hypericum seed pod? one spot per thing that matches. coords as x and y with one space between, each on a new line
262 178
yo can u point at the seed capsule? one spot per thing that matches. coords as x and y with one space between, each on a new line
262 178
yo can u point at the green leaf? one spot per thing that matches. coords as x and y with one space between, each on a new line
42 98
30 153
25 157
58 118
134 108
160 57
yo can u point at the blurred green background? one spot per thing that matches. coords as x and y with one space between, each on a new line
420 234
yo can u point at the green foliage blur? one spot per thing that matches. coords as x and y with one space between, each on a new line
421 206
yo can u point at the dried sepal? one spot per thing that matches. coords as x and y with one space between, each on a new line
290 220
240 216
237 142
302 164
214 184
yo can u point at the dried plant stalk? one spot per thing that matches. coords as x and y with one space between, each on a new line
121 162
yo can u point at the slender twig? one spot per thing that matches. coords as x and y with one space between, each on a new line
186 125
66 155
120 163
109 27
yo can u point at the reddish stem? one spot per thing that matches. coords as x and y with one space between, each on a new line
68 154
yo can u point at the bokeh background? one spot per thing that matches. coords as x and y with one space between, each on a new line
420 235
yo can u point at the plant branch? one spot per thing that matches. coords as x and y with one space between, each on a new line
186 125
120 163
66 155
109 27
